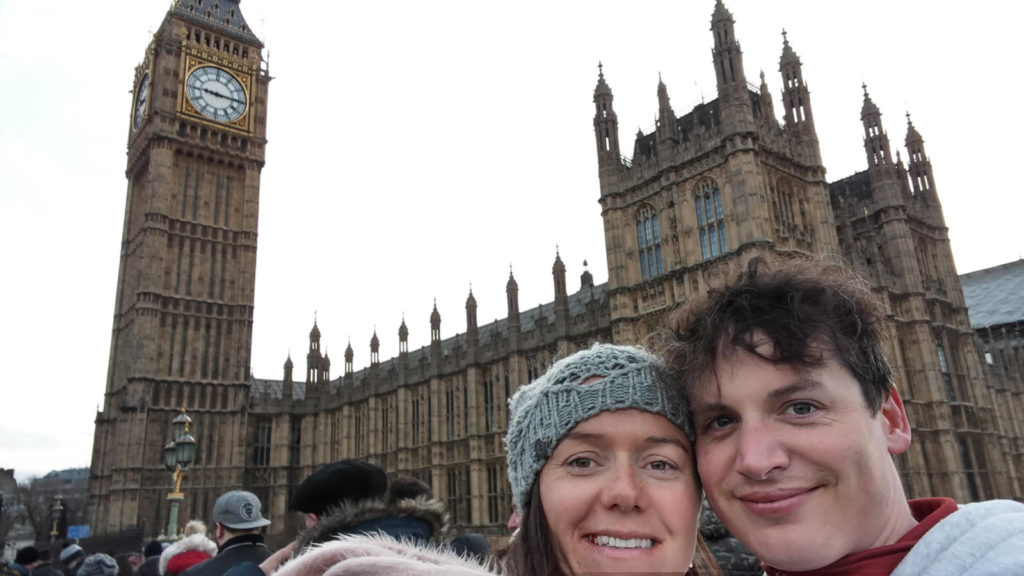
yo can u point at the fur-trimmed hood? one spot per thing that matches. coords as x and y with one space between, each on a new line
422 519
375 554
196 542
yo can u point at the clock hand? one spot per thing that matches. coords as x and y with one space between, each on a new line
219 95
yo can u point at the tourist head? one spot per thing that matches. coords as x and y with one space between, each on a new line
795 413
154 548
601 467
72 555
337 483
28 557
194 527
98 565
237 512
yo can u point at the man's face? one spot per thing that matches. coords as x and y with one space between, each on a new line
795 464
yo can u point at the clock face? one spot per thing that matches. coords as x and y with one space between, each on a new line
141 101
216 93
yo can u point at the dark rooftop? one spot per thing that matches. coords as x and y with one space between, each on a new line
222 14
995 295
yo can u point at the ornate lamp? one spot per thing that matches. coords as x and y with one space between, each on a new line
178 454
55 513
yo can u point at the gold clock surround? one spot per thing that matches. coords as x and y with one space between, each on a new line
192 63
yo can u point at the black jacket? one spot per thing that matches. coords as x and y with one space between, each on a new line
244 548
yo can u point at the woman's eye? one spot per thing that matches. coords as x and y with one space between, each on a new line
801 408
581 462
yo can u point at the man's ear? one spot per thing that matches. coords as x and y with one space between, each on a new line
220 531
894 421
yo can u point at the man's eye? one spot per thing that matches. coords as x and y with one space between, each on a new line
662 466
801 408
719 422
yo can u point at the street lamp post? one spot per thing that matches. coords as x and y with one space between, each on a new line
55 511
178 454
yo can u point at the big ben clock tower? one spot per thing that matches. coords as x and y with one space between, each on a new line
182 325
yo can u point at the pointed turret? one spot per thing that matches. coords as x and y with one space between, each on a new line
586 279
668 133
435 324
561 293
727 55
736 110
796 100
876 141
313 357
767 107
472 338
920 167
349 356
325 368
512 295
289 366
403 338
471 312
314 337
606 124
435 339
374 349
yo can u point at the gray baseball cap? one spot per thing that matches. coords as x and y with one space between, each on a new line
239 510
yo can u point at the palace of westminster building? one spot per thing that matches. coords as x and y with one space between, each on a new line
700 195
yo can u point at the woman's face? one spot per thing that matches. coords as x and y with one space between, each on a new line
620 495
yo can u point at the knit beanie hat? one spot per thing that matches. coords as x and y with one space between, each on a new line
98 565
545 410
70 553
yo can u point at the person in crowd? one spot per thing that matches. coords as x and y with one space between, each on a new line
98 565
239 521
123 565
194 547
406 511
354 497
151 564
797 420
71 558
25 560
601 466
337 484
135 560
471 545
45 567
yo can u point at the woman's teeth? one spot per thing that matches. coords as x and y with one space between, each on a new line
613 542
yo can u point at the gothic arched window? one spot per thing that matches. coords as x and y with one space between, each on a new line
648 241
710 220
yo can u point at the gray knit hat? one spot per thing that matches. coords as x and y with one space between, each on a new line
98 565
545 410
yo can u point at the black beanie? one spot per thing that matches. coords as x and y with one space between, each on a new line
337 482
26 555
154 548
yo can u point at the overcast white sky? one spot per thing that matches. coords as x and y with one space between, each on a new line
420 148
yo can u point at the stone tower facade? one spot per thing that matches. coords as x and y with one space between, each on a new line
892 231
705 191
182 325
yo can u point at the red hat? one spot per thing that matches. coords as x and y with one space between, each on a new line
180 562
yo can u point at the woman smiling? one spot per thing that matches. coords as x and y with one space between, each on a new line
601 466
